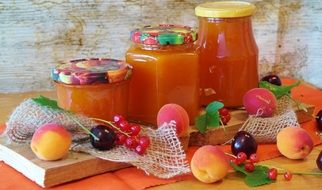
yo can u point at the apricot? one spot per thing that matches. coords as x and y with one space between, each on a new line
209 164
260 101
294 143
51 142
177 113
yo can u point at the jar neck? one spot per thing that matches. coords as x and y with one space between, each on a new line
182 47
209 27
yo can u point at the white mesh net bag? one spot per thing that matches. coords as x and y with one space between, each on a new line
265 130
164 157
29 116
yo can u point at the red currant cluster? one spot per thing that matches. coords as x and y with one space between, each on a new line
250 167
242 158
224 115
127 134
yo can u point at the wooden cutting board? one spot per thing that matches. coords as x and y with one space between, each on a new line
49 173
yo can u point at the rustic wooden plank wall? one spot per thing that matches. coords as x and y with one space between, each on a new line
37 34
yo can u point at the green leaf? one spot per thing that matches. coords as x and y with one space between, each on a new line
214 107
257 177
44 101
212 119
201 123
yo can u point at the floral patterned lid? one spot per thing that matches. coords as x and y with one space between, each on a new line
164 34
91 71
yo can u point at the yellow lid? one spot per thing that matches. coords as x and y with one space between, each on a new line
225 9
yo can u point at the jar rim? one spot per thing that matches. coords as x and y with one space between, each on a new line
164 34
91 71
225 9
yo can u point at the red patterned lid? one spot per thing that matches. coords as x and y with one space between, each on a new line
91 71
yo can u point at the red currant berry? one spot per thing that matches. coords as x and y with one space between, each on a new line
135 129
120 138
253 158
225 119
272 174
118 118
144 141
249 167
288 176
124 126
241 158
140 149
223 112
131 142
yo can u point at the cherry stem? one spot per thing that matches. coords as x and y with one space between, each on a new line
222 124
85 129
230 155
112 125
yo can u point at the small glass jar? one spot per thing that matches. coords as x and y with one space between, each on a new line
94 87
228 53
165 70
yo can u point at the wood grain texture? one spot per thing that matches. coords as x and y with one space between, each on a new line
50 173
37 34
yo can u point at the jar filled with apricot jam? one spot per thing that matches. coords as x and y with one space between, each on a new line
165 70
93 87
228 54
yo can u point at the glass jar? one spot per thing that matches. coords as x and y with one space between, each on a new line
165 70
93 87
228 54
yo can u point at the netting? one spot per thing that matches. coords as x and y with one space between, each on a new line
164 158
265 130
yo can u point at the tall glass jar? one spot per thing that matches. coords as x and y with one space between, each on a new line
165 70
228 54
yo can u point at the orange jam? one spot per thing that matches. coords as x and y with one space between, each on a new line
165 70
93 87
228 53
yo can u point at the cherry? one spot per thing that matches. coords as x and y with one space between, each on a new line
106 137
243 142
319 161
318 119
249 167
272 174
273 79
241 158
253 158
287 176
131 142
144 141
225 119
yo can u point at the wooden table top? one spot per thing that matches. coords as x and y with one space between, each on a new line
9 101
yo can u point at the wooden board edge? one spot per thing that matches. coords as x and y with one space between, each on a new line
80 170
22 165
